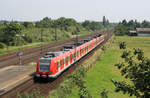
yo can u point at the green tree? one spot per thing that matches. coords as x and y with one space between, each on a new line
124 22
145 24
121 29
95 26
28 24
86 24
2 45
11 31
44 23
104 21
136 68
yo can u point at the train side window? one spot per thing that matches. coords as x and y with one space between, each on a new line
61 62
64 61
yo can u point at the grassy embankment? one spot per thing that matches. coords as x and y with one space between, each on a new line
99 76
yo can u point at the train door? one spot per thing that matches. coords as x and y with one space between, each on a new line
71 57
66 60
74 56
80 53
61 64
58 65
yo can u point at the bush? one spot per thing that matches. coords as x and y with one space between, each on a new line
122 45
2 45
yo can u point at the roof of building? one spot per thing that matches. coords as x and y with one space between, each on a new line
143 29
131 31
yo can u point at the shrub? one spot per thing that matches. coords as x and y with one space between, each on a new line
122 45
2 45
104 48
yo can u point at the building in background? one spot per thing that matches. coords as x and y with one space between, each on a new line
132 33
143 31
139 32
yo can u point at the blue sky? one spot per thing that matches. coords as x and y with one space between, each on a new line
114 10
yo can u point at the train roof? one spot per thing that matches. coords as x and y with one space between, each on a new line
53 54
87 40
79 43
68 47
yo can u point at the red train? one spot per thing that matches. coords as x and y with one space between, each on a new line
54 63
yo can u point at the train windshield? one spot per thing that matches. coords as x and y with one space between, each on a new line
44 65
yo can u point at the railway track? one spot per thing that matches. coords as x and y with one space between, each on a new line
46 86
33 54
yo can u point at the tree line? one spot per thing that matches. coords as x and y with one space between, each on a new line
17 33
123 26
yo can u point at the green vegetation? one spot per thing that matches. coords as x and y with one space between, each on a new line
122 45
46 30
99 76
123 27
35 94
135 42
136 68
72 81
2 45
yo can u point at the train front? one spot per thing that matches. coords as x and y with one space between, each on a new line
43 67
